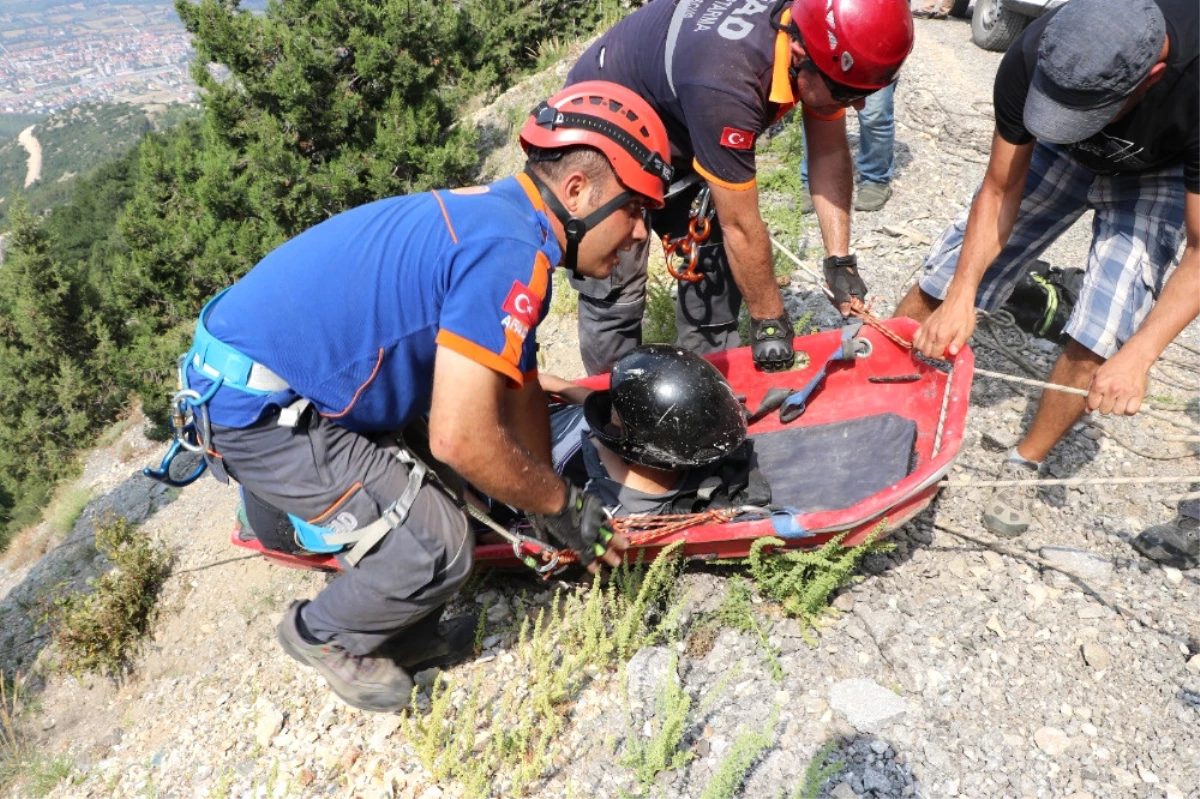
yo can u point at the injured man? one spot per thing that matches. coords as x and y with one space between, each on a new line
668 436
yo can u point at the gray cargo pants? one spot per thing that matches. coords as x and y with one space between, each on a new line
331 476
706 312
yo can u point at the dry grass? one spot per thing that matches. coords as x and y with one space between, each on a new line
58 520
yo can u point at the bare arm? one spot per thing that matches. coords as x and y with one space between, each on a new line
571 393
1120 384
989 224
469 431
527 415
748 247
830 180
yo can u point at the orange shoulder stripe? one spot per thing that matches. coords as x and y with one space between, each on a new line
446 216
841 112
480 355
716 181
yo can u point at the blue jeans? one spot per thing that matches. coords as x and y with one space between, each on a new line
877 139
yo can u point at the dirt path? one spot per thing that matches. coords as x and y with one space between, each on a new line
33 172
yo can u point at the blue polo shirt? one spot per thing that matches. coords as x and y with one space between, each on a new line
351 312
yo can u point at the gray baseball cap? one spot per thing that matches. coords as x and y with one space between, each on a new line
1093 54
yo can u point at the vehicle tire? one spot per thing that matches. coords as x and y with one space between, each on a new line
994 27
958 9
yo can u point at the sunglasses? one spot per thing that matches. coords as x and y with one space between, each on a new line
840 92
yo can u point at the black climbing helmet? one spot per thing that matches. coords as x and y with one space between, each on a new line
674 408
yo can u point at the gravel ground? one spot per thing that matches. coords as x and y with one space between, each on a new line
1057 665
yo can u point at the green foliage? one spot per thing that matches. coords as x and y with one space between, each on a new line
99 630
737 613
779 185
11 125
820 769
660 751
658 324
508 734
49 398
803 581
747 748
74 143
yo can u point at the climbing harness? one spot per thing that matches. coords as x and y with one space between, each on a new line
687 246
189 436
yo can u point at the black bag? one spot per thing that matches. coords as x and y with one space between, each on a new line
1043 299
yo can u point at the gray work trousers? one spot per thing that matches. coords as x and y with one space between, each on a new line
331 476
706 312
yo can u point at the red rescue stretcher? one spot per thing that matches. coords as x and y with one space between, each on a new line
876 432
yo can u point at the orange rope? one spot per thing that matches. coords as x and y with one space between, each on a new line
863 312
645 530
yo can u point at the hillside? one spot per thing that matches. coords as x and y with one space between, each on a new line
1060 664
73 143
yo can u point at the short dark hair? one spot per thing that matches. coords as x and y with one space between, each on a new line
555 164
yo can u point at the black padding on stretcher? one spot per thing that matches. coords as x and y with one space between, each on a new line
833 466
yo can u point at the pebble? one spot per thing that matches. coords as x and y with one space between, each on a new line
1078 562
1052 741
866 705
270 722
1095 656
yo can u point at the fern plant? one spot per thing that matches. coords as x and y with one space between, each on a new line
802 581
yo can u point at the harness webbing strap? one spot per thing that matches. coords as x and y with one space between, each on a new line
365 538
225 365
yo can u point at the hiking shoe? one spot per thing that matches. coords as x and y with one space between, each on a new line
1175 544
806 204
872 196
429 644
1010 509
368 682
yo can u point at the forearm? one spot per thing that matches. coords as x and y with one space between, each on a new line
748 248
527 414
491 458
571 393
989 224
831 184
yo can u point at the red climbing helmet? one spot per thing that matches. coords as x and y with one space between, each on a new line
615 121
857 43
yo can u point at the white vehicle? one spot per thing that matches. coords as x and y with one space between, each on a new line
995 24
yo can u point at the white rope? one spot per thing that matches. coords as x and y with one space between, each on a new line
1025 381
1070 481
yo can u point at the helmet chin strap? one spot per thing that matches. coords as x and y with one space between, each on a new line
574 227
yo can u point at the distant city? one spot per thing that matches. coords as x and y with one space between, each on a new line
56 55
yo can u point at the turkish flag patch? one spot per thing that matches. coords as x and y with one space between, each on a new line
736 139
521 304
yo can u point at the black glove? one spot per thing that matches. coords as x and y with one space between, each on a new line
582 525
771 343
841 273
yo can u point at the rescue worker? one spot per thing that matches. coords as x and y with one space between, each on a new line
665 437
1097 108
719 74
425 304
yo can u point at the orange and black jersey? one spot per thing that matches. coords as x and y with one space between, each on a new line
716 71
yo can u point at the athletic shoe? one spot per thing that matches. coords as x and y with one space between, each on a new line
1010 509
872 196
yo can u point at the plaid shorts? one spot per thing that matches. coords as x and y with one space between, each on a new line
1136 236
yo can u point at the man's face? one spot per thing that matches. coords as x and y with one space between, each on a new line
811 88
620 230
